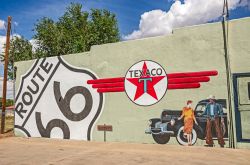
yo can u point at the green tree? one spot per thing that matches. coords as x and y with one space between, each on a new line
9 102
76 31
102 28
20 50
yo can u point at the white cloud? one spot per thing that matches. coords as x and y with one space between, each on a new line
10 92
3 41
9 83
2 24
16 23
190 12
34 44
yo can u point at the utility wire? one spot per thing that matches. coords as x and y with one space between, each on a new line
5 27
225 9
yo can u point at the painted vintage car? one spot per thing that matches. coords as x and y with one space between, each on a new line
168 125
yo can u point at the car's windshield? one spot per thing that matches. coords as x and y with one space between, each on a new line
200 108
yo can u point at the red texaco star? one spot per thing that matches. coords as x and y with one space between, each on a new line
145 84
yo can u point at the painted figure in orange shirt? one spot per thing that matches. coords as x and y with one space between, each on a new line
189 119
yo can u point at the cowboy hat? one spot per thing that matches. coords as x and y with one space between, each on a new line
211 97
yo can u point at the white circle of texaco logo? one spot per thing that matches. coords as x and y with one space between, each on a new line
146 83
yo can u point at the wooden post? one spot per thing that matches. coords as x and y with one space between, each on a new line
5 74
104 133
104 128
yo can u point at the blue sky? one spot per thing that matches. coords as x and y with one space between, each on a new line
27 12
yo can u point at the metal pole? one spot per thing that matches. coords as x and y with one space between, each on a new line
229 75
5 74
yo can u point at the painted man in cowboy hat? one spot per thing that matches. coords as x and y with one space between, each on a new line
213 111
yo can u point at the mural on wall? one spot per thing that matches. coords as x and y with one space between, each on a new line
169 124
54 100
58 100
146 82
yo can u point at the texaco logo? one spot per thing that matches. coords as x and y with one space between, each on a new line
146 83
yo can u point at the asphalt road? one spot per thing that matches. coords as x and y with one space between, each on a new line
17 150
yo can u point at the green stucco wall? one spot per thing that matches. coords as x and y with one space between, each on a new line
239 53
188 49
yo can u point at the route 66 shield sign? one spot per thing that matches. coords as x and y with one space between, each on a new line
54 100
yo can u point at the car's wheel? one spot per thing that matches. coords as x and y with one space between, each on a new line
182 139
161 138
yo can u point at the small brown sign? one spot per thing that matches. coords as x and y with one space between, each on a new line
104 127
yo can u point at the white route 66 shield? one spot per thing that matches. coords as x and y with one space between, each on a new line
54 100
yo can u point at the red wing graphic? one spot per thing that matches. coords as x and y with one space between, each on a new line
185 80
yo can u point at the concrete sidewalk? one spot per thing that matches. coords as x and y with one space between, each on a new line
16 150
